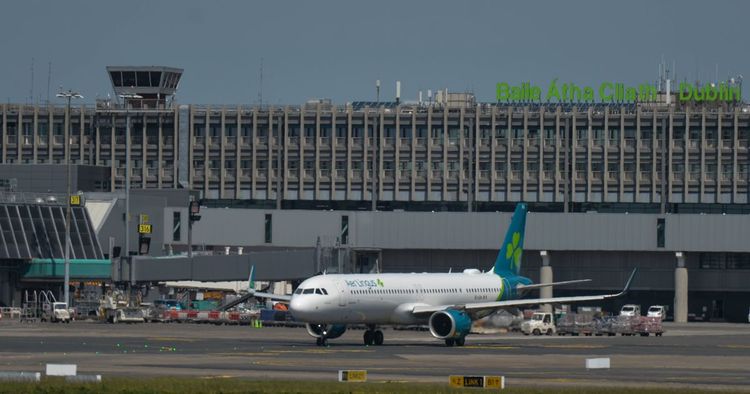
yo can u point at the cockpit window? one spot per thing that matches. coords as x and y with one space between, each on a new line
298 291
325 292
308 291
318 291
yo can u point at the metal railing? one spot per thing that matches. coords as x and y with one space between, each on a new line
32 198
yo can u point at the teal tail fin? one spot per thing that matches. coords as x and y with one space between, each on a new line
508 262
251 280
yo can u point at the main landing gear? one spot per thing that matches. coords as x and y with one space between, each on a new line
321 341
455 341
373 336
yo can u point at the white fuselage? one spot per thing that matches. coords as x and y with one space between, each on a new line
388 298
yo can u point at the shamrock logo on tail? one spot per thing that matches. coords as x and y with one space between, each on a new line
514 251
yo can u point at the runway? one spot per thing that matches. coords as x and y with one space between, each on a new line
695 355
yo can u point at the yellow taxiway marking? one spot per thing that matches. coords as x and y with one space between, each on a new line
170 339
490 347
324 351
735 346
575 346
701 378
248 354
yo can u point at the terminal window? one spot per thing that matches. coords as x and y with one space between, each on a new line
344 229
268 223
660 229
176 224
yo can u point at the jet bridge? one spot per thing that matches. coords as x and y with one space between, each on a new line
275 265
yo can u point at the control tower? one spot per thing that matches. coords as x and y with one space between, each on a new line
145 87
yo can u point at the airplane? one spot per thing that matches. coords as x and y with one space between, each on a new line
447 303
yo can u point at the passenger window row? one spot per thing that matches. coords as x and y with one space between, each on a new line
424 291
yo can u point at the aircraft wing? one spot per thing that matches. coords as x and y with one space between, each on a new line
275 297
485 306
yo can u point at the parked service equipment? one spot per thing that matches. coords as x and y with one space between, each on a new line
540 323
58 312
630 310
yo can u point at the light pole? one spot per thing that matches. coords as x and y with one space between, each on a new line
374 151
69 94
126 97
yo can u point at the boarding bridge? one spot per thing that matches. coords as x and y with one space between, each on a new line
276 265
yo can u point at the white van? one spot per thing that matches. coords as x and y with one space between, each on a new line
630 310
657 311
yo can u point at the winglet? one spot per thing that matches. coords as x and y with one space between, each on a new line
629 282
251 280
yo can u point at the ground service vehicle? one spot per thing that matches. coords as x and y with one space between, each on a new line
540 323
630 310
58 313
657 311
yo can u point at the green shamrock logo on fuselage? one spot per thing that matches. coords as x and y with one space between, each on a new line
513 251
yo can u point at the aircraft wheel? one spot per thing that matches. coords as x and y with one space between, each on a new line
378 338
321 341
450 342
368 338
460 341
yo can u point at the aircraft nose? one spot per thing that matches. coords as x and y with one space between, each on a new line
298 307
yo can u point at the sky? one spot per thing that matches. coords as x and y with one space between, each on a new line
338 49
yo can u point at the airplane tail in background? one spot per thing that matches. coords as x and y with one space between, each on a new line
508 262
251 280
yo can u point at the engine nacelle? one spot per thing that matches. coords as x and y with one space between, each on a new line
328 331
449 323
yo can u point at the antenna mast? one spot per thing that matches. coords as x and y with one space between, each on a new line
260 89
49 79
31 87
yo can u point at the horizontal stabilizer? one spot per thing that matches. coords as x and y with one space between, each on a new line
540 285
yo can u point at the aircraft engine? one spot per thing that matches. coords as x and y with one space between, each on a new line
328 331
449 323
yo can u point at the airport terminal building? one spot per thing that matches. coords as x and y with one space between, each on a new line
609 186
